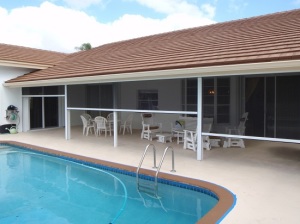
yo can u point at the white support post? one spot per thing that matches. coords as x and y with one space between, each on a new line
115 129
43 112
67 117
68 127
199 121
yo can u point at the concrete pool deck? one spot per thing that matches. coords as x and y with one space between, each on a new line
264 176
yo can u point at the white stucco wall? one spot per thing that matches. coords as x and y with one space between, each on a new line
10 96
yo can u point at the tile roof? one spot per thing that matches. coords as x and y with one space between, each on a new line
266 38
26 55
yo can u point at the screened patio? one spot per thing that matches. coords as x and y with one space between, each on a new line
270 100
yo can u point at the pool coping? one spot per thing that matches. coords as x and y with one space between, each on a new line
227 199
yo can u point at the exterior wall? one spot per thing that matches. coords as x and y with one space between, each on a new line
10 96
169 98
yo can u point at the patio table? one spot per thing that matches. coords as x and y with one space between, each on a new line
164 137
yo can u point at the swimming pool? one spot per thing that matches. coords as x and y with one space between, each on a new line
41 188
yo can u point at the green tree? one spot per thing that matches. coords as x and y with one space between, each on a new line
84 47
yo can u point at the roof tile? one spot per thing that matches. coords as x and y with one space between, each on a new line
12 53
259 39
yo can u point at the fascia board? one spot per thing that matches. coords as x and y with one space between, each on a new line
23 65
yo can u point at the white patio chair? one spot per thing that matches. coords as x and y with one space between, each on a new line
239 130
190 138
149 126
127 124
177 131
110 121
87 123
110 117
101 125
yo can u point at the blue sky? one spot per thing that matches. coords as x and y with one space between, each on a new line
61 25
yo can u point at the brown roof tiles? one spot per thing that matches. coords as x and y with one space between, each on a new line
267 38
18 54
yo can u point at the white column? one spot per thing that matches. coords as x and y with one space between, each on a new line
43 112
199 121
115 129
115 116
67 117
25 115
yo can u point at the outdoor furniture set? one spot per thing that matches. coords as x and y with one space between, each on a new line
101 124
183 131
187 133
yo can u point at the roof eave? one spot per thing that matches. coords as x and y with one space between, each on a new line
23 65
210 71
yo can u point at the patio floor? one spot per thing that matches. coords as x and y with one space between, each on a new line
264 176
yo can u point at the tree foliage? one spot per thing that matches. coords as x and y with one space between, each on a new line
84 47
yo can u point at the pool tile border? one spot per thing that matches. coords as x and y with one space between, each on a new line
226 199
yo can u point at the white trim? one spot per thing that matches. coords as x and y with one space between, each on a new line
136 111
23 64
254 138
224 70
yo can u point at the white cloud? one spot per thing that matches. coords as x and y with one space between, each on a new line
209 9
177 6
81 4
237 5
57 28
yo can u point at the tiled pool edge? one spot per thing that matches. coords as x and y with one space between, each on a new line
226 198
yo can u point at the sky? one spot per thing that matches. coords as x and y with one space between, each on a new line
63 25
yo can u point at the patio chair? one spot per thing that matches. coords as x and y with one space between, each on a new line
149 126
127 124
110 120
239 130
88 118
177 130
101 125
190 138
110 117
88 125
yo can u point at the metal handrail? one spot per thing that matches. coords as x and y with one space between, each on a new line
160 164
158 168
142 159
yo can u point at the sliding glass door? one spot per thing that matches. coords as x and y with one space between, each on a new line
36 112
43 112
274 106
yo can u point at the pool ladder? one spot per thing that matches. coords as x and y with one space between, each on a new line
152 189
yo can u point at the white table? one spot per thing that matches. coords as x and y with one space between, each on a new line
164 137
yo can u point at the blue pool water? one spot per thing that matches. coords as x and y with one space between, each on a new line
38 188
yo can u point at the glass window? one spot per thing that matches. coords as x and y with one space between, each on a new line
216 98
148 99
46 90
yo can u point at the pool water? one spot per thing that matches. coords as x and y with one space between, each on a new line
38 188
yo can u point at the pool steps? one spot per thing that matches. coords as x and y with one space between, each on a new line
152 188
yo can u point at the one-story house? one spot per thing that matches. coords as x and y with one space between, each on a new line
220 71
